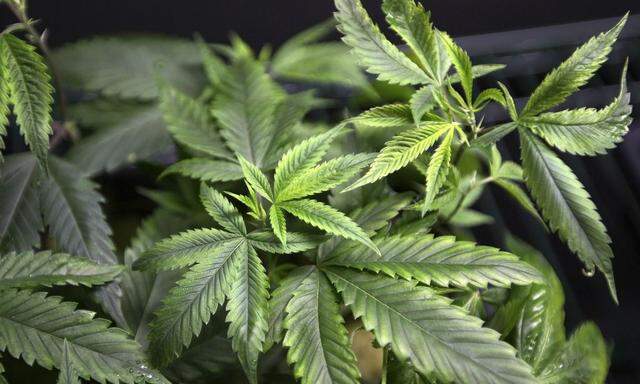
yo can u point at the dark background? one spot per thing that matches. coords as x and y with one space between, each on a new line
613 181
272 21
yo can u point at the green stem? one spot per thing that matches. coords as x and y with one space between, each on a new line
385 365
464 196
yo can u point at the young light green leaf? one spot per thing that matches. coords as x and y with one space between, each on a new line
247 311
29 270
386 116
573 73
489 94
425 328
438 169
462 63
303 157
255 178
222 211
567 206
585 131
412 23
422 102
374 51
212 64
205 170
477 71
316 336
328 219
401 150
324 177
30 93
441 260
493 135
278 224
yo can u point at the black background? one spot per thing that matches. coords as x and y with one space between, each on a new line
273 21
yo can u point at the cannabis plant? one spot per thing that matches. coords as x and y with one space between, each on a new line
314 224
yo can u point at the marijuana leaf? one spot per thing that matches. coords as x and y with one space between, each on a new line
30 92
572 73
585 131
462 350
316 336
20 219
375 52
29 269
440 260
57 322
567 206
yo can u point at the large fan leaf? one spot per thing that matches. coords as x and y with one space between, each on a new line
280 299
191 303
328 219
129 67
30 92
585 131
572 73
142 290
71 209
436 336
191 124
68 373
316 336
245 108
401 150
20 220
567 206
247 311
374 51
138 135
34 327
440 260
184 249
29 270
